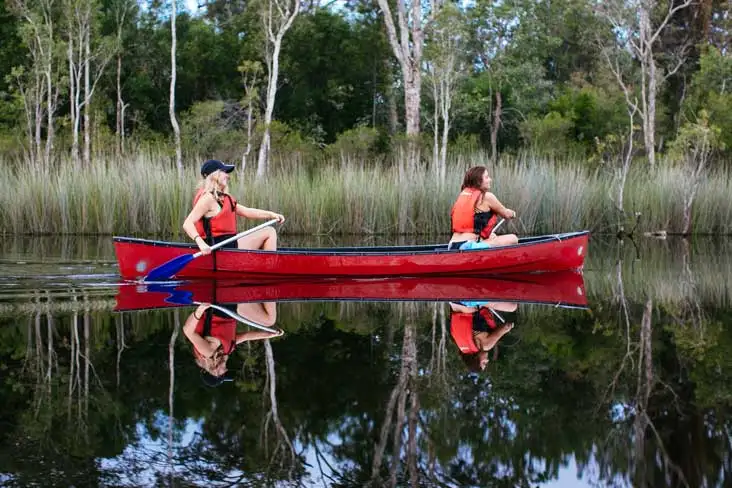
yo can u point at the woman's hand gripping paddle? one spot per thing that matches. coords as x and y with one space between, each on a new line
167 270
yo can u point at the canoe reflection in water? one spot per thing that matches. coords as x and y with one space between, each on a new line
212 331
476 328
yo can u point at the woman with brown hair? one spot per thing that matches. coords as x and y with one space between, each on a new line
476 213
474 330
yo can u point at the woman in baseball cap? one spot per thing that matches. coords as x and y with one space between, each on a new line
213 216
214 337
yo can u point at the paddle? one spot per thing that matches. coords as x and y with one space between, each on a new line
239 318
498 225
169 269
184 297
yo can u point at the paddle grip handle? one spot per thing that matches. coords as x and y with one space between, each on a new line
238 236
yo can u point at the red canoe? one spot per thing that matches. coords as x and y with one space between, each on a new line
564 288
556 252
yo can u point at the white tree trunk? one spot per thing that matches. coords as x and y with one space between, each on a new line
73 100
39 85
118 110
407 48
273 68
173 74
87 101
250 126
278 17
50 98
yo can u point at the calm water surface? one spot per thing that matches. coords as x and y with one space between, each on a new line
635 390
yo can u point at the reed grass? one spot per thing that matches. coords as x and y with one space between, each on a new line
143 195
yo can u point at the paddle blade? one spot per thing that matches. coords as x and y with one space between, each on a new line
175 295
167 270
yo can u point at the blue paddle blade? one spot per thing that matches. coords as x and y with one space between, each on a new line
175 296
167 270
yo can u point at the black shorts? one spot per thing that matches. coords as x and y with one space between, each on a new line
455 245
232 245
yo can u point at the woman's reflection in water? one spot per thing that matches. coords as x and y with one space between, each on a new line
213 334
476 328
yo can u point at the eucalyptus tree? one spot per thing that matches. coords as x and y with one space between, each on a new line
124 12
406 37
87 55
277 16
250 73
638 26
446 64
173 74
509 46
40 81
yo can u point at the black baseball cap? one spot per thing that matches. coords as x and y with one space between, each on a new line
212 165
214 381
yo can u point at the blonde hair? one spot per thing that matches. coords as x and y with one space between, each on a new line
211 184
212 364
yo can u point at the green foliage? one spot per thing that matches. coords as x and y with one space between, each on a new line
595 113
710 91
550 134
206 131
359 143
334 72
697 141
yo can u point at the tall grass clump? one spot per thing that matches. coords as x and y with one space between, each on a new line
330 194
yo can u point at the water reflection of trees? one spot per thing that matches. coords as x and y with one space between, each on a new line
634 393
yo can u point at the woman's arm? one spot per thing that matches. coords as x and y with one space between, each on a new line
496 206
199 210
255 213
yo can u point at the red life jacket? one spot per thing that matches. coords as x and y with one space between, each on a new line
465 217
223 223
223 328
461 328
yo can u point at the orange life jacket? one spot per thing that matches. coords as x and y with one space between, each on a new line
465 217
461 328
223 223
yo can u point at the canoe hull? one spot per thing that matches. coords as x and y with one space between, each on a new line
564 288
560 252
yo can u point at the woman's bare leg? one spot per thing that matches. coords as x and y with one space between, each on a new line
265 239
264 313
503 240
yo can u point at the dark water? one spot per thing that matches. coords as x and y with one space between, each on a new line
633 391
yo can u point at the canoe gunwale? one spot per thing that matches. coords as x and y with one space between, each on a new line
367 251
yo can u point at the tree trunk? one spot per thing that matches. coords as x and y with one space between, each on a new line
118 125
173 74
87 101
276 30
39 123
50 108
250 126
497 114
73 102
435 124
273 71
